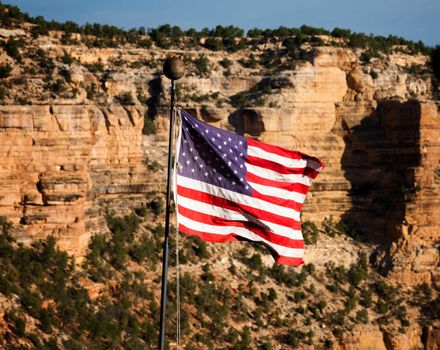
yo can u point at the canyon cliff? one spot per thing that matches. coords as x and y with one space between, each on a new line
70 157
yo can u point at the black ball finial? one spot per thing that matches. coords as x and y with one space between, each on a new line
174 68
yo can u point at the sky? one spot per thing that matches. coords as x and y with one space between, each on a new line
412 19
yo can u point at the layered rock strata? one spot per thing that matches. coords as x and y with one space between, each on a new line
64 162
63 166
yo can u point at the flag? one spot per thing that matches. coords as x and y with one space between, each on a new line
229 187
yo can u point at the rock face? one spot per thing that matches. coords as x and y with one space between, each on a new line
72 149
63 165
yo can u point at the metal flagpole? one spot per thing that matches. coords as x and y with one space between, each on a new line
173 69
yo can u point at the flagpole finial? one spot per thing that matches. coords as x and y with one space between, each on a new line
174 68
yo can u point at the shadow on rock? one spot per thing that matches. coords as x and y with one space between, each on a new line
380 157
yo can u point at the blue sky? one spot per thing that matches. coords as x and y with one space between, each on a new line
412 19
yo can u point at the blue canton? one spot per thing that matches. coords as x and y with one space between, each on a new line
212 155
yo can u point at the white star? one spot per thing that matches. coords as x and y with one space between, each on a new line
207 131
230 150
190 149
241 166
186 129
241 142
187 162
219 178
193 170
224 155
195 158
233 182
229 139
224 142
213 139
241 154
219 147
183 154
241 179
246 187
218 135
185 142
229 163
214 170
235 158
206 174
201 166
196 125
235 171
236 146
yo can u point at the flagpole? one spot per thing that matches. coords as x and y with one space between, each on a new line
173 69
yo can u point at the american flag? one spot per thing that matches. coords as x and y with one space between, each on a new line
229 187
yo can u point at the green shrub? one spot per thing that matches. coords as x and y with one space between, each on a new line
347 228
366 297
351 301
12 47
58 86
91 91
145 43
382 307
214 44
202 65
337 318
5 70
125 98
294 337
362 316
310 232
5 229
359 272
250 63
255 262
46 63
67 58
245 340
240 99
422 294
156 206
266 345
386 292
141 211
299 295
96 67
435 61
149 125
225 62
432 309
321 305
18 323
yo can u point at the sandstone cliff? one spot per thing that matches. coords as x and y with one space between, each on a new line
73 149
65 165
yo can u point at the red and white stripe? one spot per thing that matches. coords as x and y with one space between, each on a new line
280 180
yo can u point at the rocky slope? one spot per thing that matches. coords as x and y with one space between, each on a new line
73 150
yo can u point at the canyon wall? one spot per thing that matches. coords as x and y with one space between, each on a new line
63 166
65 162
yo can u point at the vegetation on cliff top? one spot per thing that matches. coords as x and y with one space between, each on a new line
229 38
32 74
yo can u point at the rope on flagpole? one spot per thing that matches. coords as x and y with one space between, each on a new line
178 335
178 328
